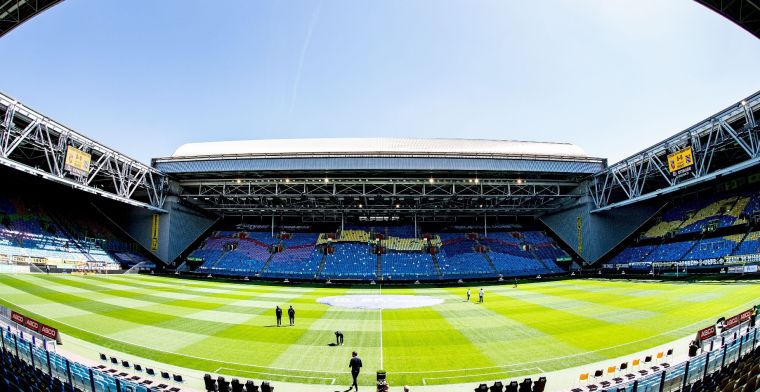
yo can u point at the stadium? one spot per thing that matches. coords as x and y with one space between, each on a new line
447 264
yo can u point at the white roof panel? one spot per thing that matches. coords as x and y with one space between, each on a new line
378 147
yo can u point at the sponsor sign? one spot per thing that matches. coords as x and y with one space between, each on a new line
17 318
706 333
745 315
77 162
154 232
35 326
48 331
680 162
731 322
32 325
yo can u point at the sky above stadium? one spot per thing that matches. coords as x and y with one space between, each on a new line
611 76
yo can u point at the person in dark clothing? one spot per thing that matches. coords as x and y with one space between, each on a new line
292 315
278 312
753 318
355 364
339 338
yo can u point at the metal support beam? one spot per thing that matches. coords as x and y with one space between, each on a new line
33 143
714 143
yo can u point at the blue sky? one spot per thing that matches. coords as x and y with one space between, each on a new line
146 76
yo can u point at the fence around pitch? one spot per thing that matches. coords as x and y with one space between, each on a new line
57 366
676 377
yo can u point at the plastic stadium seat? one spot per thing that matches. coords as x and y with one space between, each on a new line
236 385
482 388
497 387
512 387
539 385
251 387
525 386
209 383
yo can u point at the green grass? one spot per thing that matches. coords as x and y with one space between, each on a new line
228 328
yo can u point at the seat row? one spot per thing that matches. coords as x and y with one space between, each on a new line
221 385
527 385
150 372
619 374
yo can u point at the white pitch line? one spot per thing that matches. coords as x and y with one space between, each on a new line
332 379
424 379
706 320
381 330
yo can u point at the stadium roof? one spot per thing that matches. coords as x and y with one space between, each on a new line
380 147
377 154
15 12
745 13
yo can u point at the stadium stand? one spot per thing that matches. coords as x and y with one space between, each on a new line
350 261
408 266
65 239
733 366
708 228
302 256
298 259
27 367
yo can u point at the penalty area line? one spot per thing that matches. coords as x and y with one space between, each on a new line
237 371
424 379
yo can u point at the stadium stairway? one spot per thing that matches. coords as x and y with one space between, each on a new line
739 243
437 268
266 265
490 263
540 260
213 265
321 266
71 237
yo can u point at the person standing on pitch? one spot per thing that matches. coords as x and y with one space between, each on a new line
480 296
339 338
278 313
355 364
468 295
515 283
292 315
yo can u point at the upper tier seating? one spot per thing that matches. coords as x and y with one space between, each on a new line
407 244
354 236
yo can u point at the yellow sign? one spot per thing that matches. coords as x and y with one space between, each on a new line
77 162
681 160
154 232
580 236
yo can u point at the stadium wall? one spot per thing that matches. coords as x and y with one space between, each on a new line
598 233
177 230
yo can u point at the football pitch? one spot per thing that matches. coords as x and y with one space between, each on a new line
230 328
